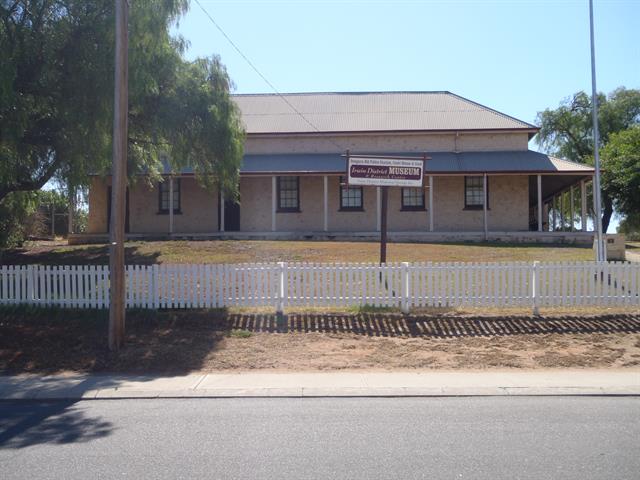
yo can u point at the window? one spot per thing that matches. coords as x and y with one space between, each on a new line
288 194
163 196
412 199
473 193
350 197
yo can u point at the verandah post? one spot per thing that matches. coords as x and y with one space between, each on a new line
484 207
534 287
540 207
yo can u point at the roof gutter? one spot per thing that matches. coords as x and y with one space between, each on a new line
341 133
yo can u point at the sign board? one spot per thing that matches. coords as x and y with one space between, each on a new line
385 172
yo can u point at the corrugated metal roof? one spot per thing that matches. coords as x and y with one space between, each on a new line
369 112
444 162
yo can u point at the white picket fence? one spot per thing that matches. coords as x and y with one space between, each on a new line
282 285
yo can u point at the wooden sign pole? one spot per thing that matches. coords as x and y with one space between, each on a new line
382 171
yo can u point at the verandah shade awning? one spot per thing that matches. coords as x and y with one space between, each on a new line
525 162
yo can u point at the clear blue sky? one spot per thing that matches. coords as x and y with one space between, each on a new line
517 56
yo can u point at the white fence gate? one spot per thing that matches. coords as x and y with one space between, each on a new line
282 285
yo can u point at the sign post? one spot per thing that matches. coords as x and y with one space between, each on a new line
385 171
383 224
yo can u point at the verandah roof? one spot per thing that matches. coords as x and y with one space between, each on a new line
440 163
525 162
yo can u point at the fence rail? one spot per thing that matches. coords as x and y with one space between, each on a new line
282 285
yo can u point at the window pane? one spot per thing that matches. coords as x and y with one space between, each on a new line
164 195
350 197
176 194
412 197
474 191
288 197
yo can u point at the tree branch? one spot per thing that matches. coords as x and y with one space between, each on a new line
30 184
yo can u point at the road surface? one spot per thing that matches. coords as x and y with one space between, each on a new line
350 438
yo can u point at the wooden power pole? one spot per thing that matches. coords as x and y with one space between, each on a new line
118 180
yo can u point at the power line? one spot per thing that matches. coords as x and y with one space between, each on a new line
266 80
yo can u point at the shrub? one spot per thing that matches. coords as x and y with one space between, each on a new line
16 212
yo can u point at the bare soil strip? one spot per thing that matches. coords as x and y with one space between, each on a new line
180 342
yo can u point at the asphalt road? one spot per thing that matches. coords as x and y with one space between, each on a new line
350 438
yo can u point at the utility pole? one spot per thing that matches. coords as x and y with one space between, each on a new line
118 180
600 255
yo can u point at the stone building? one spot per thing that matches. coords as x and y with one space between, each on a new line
291 182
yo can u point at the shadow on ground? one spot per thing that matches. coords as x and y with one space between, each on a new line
74 255
28 423
54 340
395 325
25 423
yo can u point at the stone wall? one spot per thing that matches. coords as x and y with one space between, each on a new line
418 142
255 204
98 191
199 208
508 208
508 205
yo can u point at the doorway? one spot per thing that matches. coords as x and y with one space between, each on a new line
231 216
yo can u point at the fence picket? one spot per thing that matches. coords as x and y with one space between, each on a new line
81 297
17 294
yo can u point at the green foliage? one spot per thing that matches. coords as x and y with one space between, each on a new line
237 333
27 214
15 212
47 198
80 221
568 132
630 226
621 169
368 308
56 63
56 95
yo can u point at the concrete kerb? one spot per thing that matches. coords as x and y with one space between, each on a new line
342 384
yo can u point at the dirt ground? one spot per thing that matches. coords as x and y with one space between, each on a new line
247 251
174 342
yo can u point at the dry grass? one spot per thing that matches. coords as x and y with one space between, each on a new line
243 251
178 342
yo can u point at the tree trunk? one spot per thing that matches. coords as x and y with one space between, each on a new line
72 206
607 212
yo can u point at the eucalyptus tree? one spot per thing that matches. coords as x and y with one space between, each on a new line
621 157
567 131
